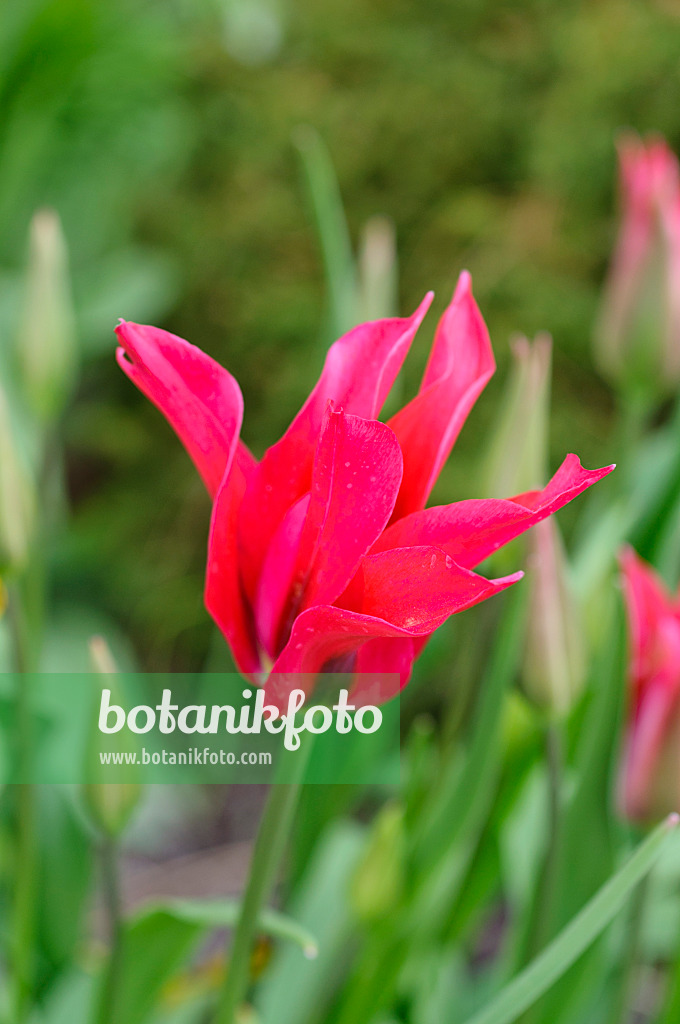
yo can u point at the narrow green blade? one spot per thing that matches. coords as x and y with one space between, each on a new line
532 982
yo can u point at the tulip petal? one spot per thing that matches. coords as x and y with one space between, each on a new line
471 530
414 589
379 663
460 365
359 371
355 482
199 398
417 588
319 635
644 745
223 592
648 603
276 578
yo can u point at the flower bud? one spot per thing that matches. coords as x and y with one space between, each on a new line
637 337
47 343
378 269
111 804
555 658
378 879
518 457
649 777
554 661
17 497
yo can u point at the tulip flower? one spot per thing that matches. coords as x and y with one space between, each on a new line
649 784
323 555
638 334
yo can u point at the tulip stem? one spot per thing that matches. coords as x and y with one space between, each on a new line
24 887
111 885
622 1006
270 843
554 759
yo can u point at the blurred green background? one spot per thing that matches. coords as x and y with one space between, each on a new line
162 134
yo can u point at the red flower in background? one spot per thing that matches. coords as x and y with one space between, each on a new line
639 327
324 550
650 778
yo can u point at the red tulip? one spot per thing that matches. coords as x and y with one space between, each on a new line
650 778
638 335
323 554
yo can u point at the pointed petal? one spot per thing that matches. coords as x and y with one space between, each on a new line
570 480
417 588
355 482
223 592
381 664
648 604
325 632
460 365
469 531
320 634
644 743
276 579
198 397
358 373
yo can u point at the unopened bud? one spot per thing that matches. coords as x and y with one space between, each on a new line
518 457
378 269
649 775
555 656
111 804
378 879
17 496
637 337
47 342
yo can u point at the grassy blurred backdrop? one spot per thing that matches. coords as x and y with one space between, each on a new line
161 132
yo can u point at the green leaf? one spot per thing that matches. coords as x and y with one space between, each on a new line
546 968
224 914
293 992
332 229
162 935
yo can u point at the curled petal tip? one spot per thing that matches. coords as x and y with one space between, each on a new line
506 581
464 282
421 310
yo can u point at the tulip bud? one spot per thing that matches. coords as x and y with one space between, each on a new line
378 879
17 499
554 661
111 804
649 779
555 657
637 337
518 456
378 269
47 344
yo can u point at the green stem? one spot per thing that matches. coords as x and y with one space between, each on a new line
555 767
26 860
621 1010
269 847
671 1009
542 919
109 861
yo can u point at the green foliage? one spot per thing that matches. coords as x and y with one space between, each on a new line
217 166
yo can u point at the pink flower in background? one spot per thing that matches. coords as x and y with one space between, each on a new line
649 784
639 326
323 553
